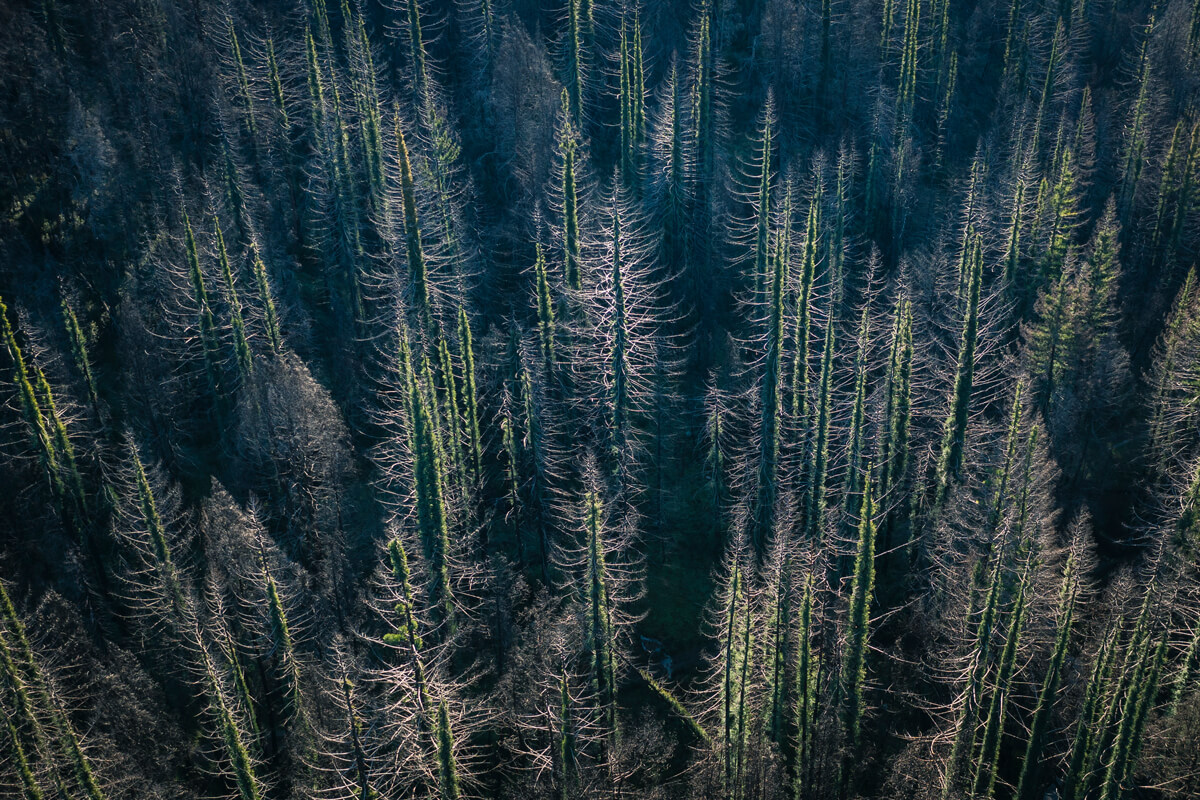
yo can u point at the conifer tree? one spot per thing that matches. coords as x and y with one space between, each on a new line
29 687
361 769
837 244
564 749
818 456
950 458
702 112
81 766
534 439
1136 708
629 105
854 457
241 346
1184 674
887 21
1117 698
416 51
637 89
418 273
674 194
276 84
545 308
451 413
804 312
235 196
347 243
967 705
370 128
1058 44
858 618
469 395
769 399
806 672
316 94
736 642
1003 475
715 458
1176 189
79 354
570 198
447 774
1013 45
242 81
1012 255
232 736
31 729
897 412
1133 161
826 74
762 206
575 42
75 502
1030 781
429 484
405 636
599 635
208 333
1064 211
989 746
30 408
619 371
777 574
28 783
155 530
1193 39
283 649
906 89
270 315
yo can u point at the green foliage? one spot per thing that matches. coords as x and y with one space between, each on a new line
950 458
967 705
1183 675
818 456
1136 141
1012 186
418 273
897 412
470 396
232 737
599 636
804 311
807 673
1029 785
619 401
857 631
241 346
157 533
242 80
447 773
570 214
736 641
208 331
429 480
989 746
79 353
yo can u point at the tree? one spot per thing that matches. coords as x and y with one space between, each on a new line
950 458
857 631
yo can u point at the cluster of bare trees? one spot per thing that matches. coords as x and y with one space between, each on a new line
600 398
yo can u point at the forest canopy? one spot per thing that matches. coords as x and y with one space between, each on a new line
733 399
